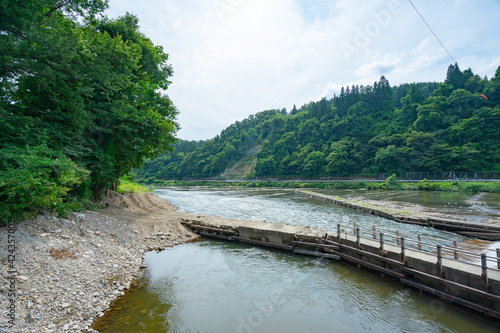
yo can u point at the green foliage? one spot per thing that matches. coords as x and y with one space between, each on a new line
391 183
425 185
33 179
86 87
427 127
126 185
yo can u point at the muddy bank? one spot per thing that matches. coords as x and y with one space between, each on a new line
69 270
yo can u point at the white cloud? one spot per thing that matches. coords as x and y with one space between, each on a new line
233 58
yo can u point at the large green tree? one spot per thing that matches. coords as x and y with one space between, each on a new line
78 86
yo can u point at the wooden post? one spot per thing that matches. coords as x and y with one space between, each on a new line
455 253
419 242
498 258
484 274
397 237
338 232
381 248
402 249
439 263
354 227
357 238
375 233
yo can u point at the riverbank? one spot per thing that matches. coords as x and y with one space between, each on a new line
69 270
492 186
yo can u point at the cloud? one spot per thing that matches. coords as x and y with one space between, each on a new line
233 58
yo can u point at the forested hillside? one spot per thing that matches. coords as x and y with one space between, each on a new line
454 125
81 103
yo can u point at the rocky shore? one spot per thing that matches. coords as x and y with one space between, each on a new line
69 270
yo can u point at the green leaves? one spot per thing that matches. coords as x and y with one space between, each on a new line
439 126
82 87
32 179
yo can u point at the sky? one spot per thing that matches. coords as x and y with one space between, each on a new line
234 58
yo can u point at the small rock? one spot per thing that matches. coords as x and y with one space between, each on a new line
44 235
22 278
65 237
89 253
65 305
188 235
97 233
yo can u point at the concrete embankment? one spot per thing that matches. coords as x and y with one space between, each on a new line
453 281
478 230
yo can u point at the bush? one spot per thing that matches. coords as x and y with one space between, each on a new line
425 185
33 179
392 183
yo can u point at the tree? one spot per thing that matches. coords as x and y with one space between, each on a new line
89 89
455 77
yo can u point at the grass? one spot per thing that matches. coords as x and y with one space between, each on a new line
128 186
424 185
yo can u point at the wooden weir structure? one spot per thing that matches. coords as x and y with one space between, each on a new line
446 271
477 230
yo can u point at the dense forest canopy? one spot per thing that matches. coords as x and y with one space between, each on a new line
454 125
82 102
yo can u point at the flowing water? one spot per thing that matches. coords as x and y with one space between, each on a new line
215 286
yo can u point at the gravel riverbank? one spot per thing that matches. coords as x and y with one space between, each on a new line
69 270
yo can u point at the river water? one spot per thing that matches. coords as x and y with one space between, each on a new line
215 286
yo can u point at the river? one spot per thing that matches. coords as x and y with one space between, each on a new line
215 286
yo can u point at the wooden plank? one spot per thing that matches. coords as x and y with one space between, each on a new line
370 265
448 297
474 291
225 231
368 254
319 245
317 254
206 234
266 244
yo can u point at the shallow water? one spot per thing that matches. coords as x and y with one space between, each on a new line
287 206
474 207
213 286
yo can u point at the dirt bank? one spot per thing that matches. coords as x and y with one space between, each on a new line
69 270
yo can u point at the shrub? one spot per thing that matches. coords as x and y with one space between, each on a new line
392 183
33 179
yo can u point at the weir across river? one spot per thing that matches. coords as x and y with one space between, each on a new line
478 230
448 272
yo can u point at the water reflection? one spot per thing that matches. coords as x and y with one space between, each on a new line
213 286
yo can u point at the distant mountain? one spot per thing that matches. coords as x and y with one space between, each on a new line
453 125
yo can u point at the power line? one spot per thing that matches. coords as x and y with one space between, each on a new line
428 26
